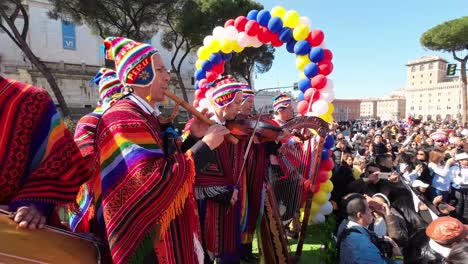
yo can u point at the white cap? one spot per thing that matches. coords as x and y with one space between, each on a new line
461 156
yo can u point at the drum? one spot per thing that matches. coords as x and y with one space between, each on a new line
48 245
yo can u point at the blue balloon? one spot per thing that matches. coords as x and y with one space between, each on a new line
311 69
252 15
316 54
196 85
290 46
227 56
300 97
302 47
200 74
304 84
329 142
325 154
206 65
215 59
276 25
263 17
286 35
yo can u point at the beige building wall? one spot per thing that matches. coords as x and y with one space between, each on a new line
429 93
391 109
368 108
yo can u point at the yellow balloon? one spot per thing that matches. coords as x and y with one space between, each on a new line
327 118
314 208
326 186
330 174
198 64
291 19
302 61
278 11
226 46
300 32
302 75
320 197
214 46
236 47
331 109
203 53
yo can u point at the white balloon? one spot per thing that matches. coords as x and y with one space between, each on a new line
329 96
305 20
328 196
204 103
326 208
207 40
218 32
256 43
320 107
231 33
328 87
318 218
209 94
243 39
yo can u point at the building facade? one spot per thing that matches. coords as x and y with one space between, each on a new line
391 108
429 93
368 109
346 109
72 53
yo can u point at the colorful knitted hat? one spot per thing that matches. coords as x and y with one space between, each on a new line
247 92
225 89
133 60
281 101
108 84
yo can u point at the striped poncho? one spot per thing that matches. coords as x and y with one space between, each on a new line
147 196
89 193
39 161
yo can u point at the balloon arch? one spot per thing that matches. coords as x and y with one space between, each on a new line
278 27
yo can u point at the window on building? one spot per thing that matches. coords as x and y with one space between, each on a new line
429 100
420 101
412 107
448 99
413 76
430 74
438 100
420 95
449 107
422 75
420 107
439 94
430 81
421 67
413 68
438 107
431 66
429 94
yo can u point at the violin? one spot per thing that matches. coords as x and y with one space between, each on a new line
244 125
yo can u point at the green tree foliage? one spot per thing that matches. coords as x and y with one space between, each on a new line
190 21
135 19
451 36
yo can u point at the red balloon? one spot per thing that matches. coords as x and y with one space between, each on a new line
218 68
264 35
312 93
328 55
195 103
316 188
319 81
322 176
202 83
211 76
325 68
275 40
327 165
251 28
315 37
200 93
302 107
240 22
228 23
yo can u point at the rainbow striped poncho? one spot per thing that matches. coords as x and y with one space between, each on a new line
39 161
147 196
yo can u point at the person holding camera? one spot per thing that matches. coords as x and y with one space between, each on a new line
356 243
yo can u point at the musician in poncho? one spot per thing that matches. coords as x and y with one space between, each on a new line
220 186
147 194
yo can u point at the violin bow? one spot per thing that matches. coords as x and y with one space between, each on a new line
246 154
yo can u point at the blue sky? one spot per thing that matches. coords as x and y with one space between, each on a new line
371 41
